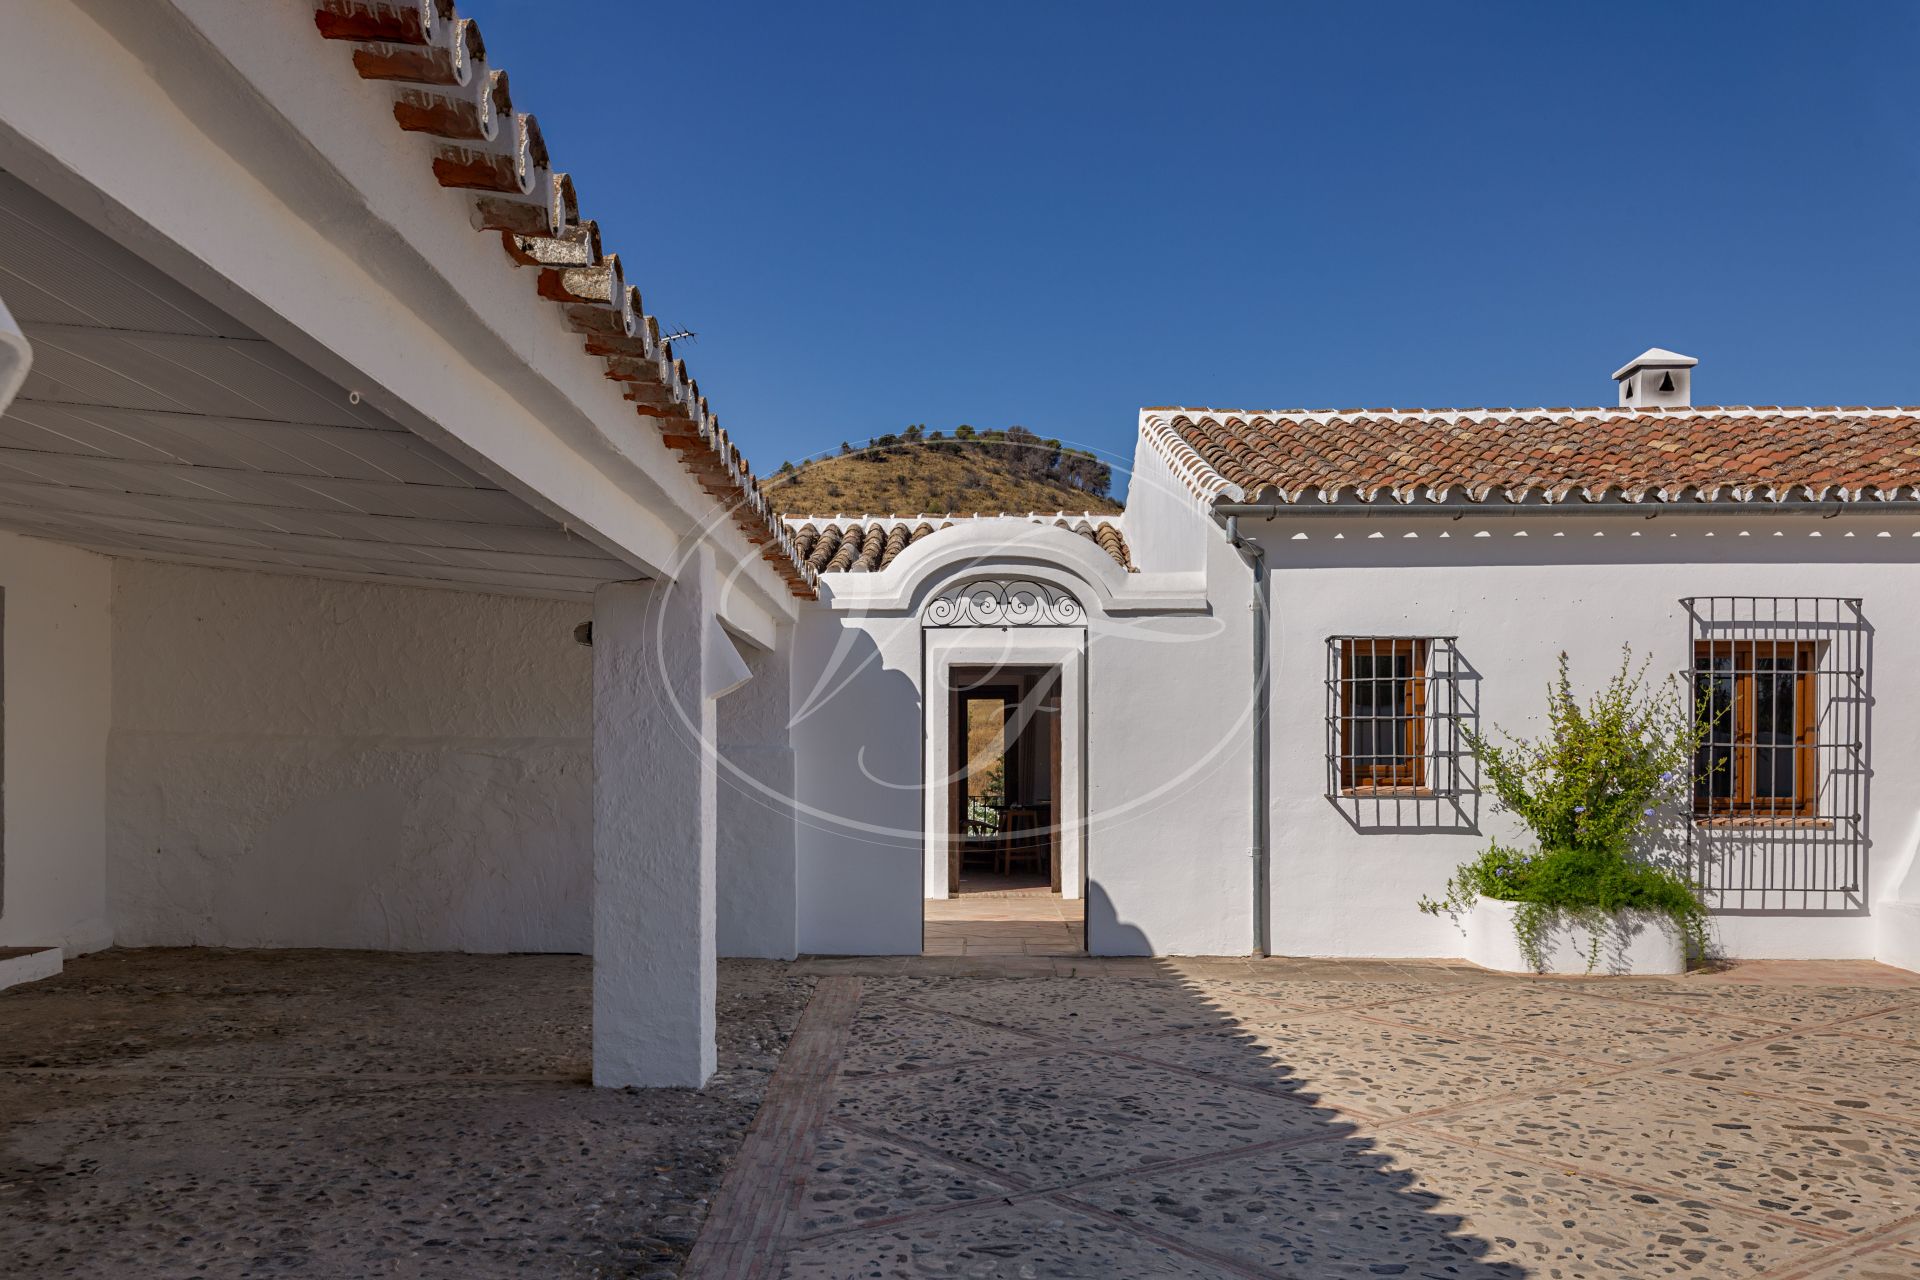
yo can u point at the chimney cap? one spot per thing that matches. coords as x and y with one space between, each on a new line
1655 358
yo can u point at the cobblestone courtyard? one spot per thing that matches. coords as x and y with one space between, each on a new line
206 1113
1322 1120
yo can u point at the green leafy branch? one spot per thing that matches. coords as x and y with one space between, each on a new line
1594 791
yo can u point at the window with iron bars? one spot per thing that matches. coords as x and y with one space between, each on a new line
1779 688
1393 716
1755 703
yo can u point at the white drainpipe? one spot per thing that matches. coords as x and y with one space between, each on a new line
1262 845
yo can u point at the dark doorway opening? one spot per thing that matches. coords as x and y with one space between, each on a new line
1004 771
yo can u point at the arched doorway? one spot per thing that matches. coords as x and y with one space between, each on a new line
1004 681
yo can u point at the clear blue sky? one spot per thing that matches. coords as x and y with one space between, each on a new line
1051 214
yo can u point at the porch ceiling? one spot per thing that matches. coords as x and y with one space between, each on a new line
154 425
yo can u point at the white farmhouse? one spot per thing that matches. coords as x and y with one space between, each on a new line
1263 690
376 576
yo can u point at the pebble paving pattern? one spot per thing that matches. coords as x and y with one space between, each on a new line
202 1113
1310 1120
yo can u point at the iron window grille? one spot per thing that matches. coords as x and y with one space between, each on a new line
1395 708
1779 684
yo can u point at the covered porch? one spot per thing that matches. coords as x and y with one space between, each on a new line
177 1111
375 577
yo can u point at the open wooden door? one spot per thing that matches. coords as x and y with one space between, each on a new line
1056 803
956 788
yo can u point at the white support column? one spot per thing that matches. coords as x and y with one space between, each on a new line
16 357
759 877
654 831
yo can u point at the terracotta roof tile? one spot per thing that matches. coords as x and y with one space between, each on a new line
1555 455
868 544
444 89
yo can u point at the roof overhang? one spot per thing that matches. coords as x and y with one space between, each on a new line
231 147
153 425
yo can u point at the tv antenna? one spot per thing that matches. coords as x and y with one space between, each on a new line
679 335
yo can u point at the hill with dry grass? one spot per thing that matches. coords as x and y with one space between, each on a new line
920 471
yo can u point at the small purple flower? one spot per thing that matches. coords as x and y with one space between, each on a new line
1579 808
1667 776
1646 813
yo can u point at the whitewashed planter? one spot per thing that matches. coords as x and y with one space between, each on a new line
1637 942
29 964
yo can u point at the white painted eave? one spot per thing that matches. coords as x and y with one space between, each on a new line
172 125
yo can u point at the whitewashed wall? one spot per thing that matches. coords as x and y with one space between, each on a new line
1166 763
1169 793
1517 593
1170 738
298 762
1166 528
756 887
856 743
57 710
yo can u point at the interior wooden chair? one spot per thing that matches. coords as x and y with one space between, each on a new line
1020 845
978 835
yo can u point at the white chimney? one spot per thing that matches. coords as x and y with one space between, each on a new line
1656 379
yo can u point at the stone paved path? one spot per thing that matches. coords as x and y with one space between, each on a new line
1233 1119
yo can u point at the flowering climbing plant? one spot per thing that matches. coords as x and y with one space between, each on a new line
1596 790
1604 768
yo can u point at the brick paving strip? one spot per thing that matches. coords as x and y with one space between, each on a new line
744 1231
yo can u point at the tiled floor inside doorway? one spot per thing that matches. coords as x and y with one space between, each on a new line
988 924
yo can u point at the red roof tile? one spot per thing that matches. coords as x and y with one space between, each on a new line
444 89
1481 455
869 544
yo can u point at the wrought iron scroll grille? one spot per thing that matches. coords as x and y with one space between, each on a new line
1780 788
1004 603
1395 751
